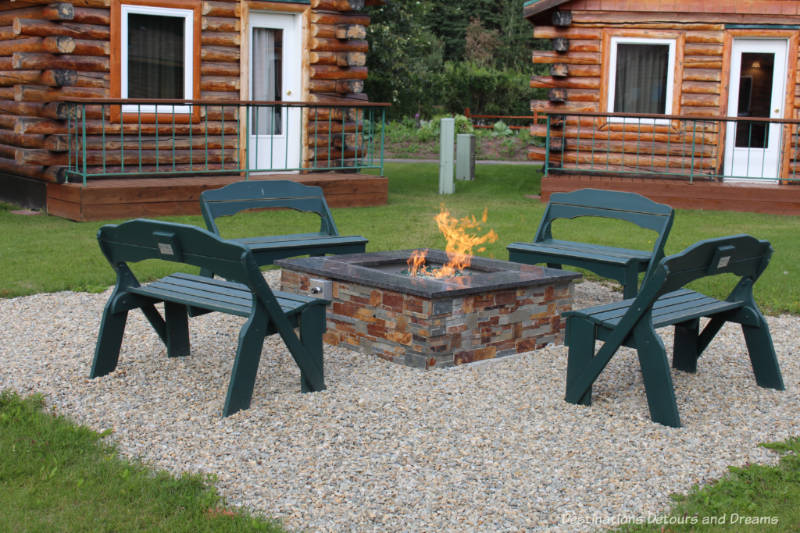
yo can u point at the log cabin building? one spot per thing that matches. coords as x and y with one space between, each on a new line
695 104
119 108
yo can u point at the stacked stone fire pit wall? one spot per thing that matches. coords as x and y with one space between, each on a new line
420 332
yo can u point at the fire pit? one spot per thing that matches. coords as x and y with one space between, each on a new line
492 309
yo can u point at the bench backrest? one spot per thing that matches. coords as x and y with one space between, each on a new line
266 194
142 239
741 255
627 206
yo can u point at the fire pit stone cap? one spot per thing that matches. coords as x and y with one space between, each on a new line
383 270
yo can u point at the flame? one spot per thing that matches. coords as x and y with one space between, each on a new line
460 243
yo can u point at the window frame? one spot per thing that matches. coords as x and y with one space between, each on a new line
190 11
612 76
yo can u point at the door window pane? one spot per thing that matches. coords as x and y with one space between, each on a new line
267 80
641 78
755 99
156 56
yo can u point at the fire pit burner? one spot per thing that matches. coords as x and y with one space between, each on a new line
495 308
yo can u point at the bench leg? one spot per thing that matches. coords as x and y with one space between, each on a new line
685 351
109 342
630 282
656 375
580 338
762 355
177 329
245 366
312 325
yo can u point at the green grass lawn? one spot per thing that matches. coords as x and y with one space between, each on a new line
54 473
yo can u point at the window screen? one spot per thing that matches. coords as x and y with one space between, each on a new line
641 78
156 56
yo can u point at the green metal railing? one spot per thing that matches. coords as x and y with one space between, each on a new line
670 146
164 138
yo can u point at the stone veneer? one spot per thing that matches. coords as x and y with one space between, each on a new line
473 318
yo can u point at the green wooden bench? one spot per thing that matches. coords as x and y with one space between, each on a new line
243 292
270 194
621 264
663 302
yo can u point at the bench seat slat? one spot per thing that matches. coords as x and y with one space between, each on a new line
217 295
566 250
301 240
291 299
671 308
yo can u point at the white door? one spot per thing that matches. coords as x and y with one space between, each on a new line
275 76
757 89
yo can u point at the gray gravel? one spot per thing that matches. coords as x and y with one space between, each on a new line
484 447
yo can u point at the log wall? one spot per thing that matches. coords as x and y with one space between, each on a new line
577 77
50 51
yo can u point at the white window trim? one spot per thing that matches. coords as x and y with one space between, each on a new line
612 77
188 56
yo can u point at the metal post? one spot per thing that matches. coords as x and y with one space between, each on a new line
465 156
446 149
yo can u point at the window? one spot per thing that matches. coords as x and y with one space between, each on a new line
156 56
641 75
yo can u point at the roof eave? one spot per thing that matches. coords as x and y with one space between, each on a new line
532 8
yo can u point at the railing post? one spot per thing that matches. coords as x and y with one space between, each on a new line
383 133
83 143
547 147
694 148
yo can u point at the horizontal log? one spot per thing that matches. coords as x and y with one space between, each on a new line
572 32
338 5
165 145
133 158
329 72
88 47
56 143
153 171
221 9
700 87
53 45
219 68
710 20
584 46
10 166
24 140
88 15
7 33
581 58
701 74
130 128
42 28
702 100
705 62
56 174
57 11
220 53
54 110
7 93
703 49
33 156
33 61
644 143
216 38
702 111
25 125
324 58
336 45
93 79
220 24
219 83
38 93
709 37
351 31
336 86
545 106
581 95
82 3
548 82
339 18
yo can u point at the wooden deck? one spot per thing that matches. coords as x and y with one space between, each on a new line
758 198
148 197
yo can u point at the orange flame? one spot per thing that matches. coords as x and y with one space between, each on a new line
460 244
